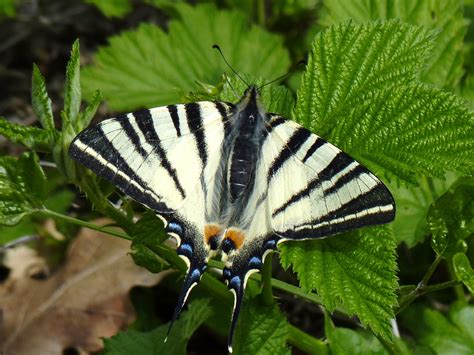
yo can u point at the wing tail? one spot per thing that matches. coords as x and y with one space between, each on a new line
236 286
192 278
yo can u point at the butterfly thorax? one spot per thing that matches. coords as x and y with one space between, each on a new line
244 145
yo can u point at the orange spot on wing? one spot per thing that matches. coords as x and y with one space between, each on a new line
236 235
210 231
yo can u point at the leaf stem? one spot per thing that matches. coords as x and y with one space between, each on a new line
430 272
82 223
306 342
267 280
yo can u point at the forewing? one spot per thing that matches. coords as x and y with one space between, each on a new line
165 158
315 190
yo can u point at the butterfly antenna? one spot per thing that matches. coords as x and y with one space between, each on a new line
302 61
215 46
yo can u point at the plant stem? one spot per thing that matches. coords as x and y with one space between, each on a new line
430 272
267 280
82 223
306 342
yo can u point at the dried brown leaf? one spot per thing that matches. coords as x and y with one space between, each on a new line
86 299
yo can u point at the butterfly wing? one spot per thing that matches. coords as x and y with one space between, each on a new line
305 188
316 190
166 159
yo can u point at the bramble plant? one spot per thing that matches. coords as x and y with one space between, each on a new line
383 87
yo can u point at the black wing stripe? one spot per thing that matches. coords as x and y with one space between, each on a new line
144 121
339 163
132 135
173 110
299 137
317 144
104 149
381 217
193 115
225 121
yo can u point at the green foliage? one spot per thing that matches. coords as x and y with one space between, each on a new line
7 8
263 330
464 271
152 64
153 342
355 270
444 66
341 339
451 334
40 100
22 187
146 239
360 93
451 219
115 8
413 204
31 137
361 90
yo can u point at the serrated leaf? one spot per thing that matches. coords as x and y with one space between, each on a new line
155 66
366 103
444 66
453 334
355 270
40 100
451 219
464 271
112 8
262 330
152 343
31 137
348 63
72 87
22 187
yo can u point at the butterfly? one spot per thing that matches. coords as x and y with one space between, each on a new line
234 180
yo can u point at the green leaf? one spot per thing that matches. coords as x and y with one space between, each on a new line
444 66
261 330
22 187
342 339
451 219
453 334
148 233
413 204
86 116
72 88
355 270
7 8
358 93
152 342
147 67
40 100
31 137
112 8
464 271
9 233
347 64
